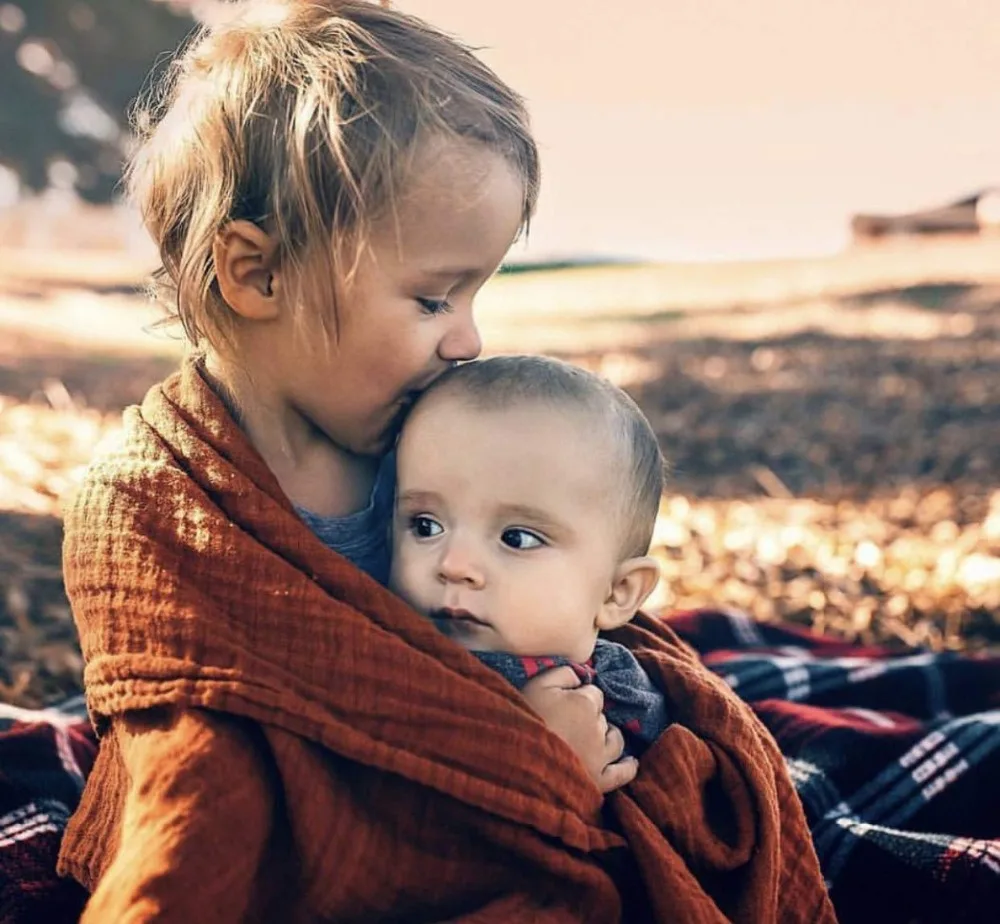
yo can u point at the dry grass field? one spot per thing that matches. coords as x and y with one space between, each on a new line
833 428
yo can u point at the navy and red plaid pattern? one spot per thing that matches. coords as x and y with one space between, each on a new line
631 701
45 756
896 758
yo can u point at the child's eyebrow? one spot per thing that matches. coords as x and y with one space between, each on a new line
418 498
454 272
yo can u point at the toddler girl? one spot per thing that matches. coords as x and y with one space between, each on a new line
329 184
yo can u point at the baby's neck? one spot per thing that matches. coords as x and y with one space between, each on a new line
314 472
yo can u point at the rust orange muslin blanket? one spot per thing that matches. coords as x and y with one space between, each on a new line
397 778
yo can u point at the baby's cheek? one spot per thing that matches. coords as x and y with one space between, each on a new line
404 572
396 579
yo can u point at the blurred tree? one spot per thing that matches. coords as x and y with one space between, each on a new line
69 70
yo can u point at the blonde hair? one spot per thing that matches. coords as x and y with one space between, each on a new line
303 116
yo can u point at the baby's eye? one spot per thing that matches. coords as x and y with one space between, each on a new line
434 305
425 527
517 538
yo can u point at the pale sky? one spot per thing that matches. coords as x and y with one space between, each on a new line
721 129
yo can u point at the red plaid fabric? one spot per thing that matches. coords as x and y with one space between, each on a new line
631 700
896 758
44 758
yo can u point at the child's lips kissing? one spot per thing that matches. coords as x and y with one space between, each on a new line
412 395
404 406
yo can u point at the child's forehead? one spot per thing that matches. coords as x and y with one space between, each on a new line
455 195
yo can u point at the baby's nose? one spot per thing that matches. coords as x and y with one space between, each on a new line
458 565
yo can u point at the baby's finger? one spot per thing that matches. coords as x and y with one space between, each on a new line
618 774
614 743
591 692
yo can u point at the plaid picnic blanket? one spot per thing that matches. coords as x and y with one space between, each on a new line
45 756
896 758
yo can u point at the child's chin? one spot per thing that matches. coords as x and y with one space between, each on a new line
380 444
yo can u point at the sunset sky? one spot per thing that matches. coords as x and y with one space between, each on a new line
732 129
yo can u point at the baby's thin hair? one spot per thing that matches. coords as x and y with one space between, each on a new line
304 117
504 382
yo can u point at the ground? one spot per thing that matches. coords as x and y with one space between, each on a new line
833 429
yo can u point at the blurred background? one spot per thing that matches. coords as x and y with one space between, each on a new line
776 224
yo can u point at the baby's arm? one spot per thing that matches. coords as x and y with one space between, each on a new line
575 712
194 824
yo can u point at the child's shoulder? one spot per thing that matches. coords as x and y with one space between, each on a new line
120 452
130 466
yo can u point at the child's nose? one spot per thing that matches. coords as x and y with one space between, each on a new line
459 566
462 341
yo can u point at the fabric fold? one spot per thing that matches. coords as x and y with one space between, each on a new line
195 585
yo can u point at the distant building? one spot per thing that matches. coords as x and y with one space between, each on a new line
976 214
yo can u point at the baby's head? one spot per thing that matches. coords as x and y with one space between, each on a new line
322 177
527 495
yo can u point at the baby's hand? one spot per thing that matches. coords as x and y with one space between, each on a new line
575 712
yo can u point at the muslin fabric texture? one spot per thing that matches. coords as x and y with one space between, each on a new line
283 739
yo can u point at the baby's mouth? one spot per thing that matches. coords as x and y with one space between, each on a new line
447 615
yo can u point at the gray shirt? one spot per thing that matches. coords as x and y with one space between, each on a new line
362 537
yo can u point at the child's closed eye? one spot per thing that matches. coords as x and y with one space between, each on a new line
434 305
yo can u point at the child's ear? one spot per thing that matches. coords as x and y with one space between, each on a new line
633 582
245 267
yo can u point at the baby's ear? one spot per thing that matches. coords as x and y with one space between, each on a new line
633 582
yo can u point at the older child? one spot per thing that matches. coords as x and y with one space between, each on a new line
330 184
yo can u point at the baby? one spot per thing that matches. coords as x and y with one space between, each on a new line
526 497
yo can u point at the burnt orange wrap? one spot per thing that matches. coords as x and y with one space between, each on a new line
283 739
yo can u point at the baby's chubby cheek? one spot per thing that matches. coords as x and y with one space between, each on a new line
396 583
402 583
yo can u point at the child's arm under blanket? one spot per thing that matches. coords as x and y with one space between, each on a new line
189 842
198 790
